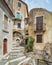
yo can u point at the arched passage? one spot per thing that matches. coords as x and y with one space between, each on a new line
17 35
5 46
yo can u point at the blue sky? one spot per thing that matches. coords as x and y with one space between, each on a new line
46 4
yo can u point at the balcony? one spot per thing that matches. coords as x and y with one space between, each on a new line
18 16
40 28
17 29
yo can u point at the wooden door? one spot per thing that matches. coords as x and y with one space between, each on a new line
5 46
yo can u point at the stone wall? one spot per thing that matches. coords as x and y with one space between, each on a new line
47 19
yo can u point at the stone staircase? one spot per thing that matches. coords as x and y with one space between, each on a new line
15 57
16 52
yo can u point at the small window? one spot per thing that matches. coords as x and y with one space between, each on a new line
19 25
5 22
26 22
18 13
39 39
19 4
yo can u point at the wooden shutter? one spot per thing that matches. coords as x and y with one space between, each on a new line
39 38
39 23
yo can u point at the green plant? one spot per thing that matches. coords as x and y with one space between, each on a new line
30 44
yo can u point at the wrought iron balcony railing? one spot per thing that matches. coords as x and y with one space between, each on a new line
18 16
39 28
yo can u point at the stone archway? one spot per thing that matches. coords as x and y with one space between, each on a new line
17 35
5 46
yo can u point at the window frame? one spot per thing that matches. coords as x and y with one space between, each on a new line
5 22
39 23
39 35
19 4
38 16
18 25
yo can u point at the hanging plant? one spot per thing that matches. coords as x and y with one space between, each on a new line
30 44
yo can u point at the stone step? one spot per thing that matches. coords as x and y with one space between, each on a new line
19 47
24 61
16 54
17 50
4 62
16 62
15 45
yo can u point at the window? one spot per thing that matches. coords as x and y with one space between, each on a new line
39 38
26 22
26 41
39 23
26 32
18 13
19 4
5 22
19 25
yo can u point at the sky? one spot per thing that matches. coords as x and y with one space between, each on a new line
46 4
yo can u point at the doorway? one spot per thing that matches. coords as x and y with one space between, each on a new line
26 41
4 46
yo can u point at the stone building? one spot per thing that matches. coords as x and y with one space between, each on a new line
20 12
12 24
6 26
15 24
40 27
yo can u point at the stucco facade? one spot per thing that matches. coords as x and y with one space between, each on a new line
21 12
12 15
6 29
